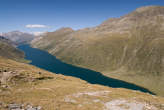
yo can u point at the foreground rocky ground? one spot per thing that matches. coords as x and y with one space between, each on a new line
25 87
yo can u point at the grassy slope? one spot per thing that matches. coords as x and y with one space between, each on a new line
130 48
53 92
9 51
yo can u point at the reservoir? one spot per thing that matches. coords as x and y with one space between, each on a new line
44 60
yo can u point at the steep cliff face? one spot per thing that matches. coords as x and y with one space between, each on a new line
23 86
129 48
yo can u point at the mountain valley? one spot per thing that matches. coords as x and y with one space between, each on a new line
129 48
116 65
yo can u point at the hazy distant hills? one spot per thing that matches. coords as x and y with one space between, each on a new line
130 48
18 37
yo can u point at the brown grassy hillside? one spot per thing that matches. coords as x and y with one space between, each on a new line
8 50
129 48
23 86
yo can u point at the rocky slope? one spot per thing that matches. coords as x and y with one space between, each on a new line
128 48
29 88
18 37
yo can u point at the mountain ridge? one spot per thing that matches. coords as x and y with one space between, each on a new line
131 45
18 37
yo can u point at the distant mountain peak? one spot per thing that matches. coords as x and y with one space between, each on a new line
38 33
16 31
18 37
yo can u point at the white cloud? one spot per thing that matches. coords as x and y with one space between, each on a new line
36 26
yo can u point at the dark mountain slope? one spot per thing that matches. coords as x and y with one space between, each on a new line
8 49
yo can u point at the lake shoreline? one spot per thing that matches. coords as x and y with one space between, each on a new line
44 60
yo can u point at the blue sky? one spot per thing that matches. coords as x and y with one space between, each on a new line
50 15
